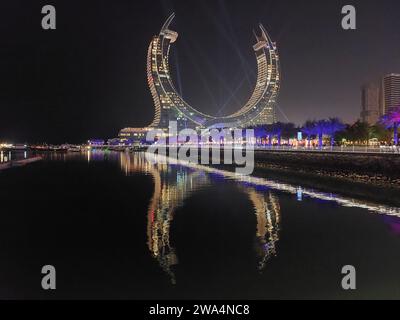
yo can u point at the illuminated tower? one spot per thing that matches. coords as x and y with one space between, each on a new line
170 106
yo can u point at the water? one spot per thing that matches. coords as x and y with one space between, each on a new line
115 225
7 156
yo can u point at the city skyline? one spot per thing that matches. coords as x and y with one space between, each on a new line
94 83
380 98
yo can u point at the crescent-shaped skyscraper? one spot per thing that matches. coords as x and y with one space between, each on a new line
170 105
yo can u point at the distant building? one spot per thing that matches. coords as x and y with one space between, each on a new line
133 135
390 92
96 142
119 142
370 103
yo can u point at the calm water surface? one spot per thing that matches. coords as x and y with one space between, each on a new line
116 225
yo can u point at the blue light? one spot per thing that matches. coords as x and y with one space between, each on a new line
299 194
299 136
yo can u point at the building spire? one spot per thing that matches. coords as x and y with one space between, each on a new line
167 22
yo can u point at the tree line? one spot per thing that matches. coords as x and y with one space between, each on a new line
384 131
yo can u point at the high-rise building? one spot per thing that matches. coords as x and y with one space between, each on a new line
391 92
170 105
370 102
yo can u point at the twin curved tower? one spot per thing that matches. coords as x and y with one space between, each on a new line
170 106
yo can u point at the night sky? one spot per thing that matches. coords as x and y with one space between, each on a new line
87 78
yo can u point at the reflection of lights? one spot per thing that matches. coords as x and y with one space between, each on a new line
299 194
345 202
267 210
167 196
393 223
172 185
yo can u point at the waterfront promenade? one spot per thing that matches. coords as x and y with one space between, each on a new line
335 149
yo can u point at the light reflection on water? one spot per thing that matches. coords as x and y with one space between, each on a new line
174 183
8 156
171 190
300 192
5 156
172 187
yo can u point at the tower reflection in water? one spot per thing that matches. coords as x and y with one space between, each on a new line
172 185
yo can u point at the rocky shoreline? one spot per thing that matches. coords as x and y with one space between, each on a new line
377 169
366 176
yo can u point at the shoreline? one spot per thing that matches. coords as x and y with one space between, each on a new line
19 163
376 169
381 170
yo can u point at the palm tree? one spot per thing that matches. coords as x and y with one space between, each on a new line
379 132
334 125
260 131
289 131
392 119
309 129
358 131
277 129
269 133
321 127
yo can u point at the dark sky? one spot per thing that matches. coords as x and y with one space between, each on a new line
87 78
